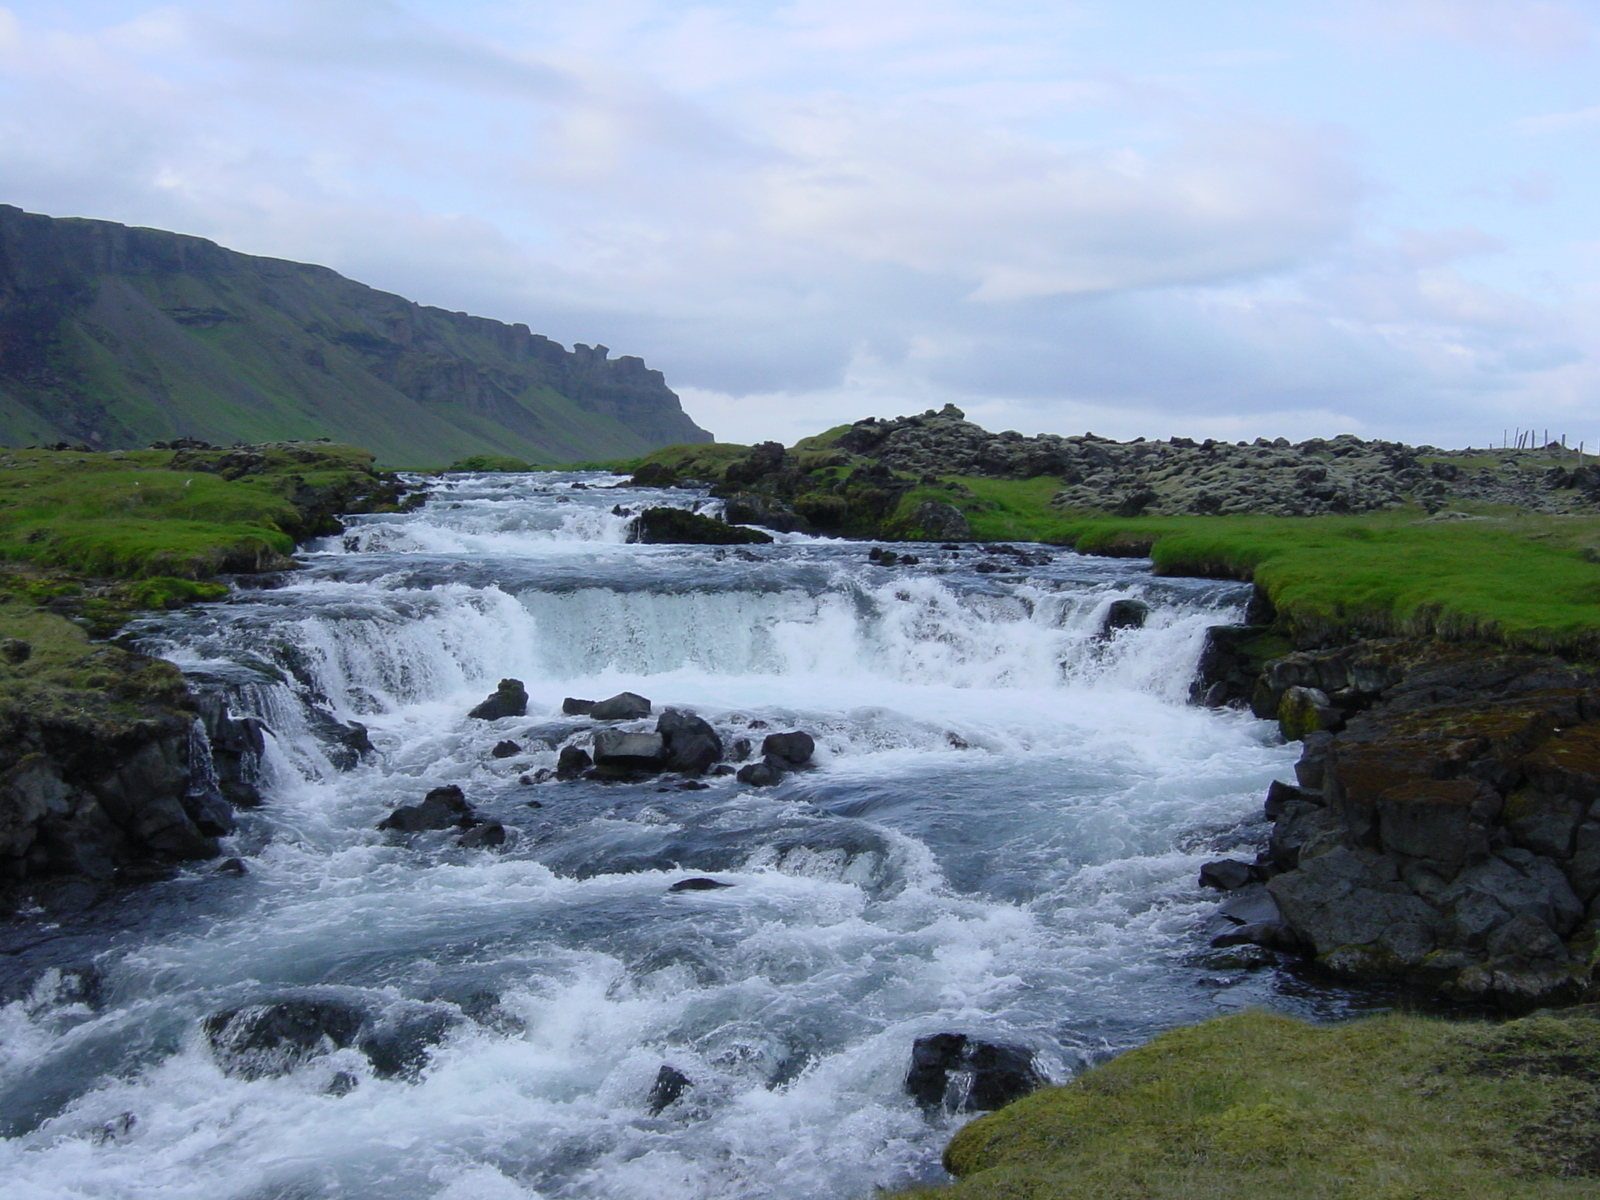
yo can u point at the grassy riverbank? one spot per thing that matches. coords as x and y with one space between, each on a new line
1524 580
1260 1107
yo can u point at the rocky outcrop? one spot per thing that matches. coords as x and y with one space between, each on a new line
1180 476
107 774
679 526
114 336
1444 828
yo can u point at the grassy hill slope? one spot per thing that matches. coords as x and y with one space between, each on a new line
117 337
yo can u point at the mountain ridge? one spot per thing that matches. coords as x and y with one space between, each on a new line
118 335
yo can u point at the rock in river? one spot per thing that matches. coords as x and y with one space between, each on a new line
957 1073
510 699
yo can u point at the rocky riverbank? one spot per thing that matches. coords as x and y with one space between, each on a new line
112 770
1443 829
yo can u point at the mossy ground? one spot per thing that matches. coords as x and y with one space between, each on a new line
1523 580
154 513
1260 1107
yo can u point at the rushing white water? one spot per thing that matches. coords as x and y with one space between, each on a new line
1000 838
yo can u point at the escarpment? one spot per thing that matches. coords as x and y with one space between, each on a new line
116 336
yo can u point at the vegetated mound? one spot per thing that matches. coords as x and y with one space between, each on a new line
1180 476
99 783
116 336
192 512
1259 1107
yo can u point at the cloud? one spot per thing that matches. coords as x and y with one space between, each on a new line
810 211
1541 28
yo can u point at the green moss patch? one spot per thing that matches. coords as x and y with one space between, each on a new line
157 513
1524 580
1260 1107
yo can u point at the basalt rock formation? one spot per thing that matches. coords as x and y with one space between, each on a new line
116 336
1444 829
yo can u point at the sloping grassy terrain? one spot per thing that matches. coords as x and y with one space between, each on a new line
1527 581
1261 1107
164 513
118 336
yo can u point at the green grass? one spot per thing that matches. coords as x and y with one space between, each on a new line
1522 580
134 516
1260 1107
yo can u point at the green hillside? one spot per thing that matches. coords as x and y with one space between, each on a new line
116 337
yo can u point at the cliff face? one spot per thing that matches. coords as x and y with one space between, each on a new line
117 336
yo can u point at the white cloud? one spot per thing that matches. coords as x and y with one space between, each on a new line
808 212
1544 28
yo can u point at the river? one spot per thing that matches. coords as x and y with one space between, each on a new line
1000 837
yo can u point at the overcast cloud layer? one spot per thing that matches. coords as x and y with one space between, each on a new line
1141 218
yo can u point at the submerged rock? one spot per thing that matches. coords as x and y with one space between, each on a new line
1124 614
509 699
670 1084
791 750
505 749
624 706
692 745
259 1041
487 836
957 1073
698 884
442 808
680 526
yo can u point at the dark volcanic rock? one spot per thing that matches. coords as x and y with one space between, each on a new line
790 750
655 526
1125 614
625 706
572 762
629 751
505 749
955 1073
1448 834
509 699
760 774
693 746
670 1084
263 1040
442 808
1226 874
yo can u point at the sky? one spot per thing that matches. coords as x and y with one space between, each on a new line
1141 218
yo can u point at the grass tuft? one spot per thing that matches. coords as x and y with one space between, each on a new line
1258 1107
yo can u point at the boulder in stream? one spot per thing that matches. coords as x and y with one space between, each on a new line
573 707
680 526
442 808
259 1041
760 774
670 1084
957 1073
698 884
693 746
505 749
572 762
616 750
791 750
1124 614
624 706
509 699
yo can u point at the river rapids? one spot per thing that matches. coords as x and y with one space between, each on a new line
1000 837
